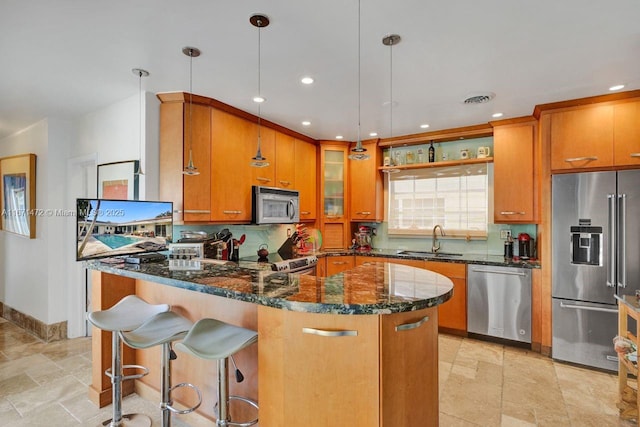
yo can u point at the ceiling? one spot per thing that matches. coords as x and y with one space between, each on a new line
68 58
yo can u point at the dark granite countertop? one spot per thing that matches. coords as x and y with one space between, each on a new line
376 288
481 259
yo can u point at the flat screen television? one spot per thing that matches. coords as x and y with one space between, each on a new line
114 228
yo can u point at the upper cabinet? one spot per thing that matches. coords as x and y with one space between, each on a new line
365 186
305 173
596 136
223 140
515 171
334 171
626 133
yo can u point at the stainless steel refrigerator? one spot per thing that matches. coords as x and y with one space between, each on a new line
596 254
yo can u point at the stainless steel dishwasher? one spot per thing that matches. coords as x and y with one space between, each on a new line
499 301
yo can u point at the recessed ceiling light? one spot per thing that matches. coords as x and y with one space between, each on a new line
306 123
373 134
616 87
424 126
496 115
307 80
339 136
258 99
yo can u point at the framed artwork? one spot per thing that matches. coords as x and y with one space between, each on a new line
118 180
18 194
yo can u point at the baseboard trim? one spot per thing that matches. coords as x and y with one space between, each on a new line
47 333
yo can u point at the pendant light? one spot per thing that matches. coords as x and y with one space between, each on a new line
140 73
359 152
390 41
191 52
259 21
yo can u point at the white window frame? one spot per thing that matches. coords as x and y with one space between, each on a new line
456 197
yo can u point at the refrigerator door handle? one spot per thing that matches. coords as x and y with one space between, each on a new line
622 241
588 308
611 268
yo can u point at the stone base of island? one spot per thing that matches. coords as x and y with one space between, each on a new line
358 348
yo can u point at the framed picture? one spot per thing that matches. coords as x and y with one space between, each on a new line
18 194
118 180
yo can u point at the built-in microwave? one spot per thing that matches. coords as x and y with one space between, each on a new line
271 205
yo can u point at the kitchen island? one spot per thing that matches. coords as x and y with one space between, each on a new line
358 348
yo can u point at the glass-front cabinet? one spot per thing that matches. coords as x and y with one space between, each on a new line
334 170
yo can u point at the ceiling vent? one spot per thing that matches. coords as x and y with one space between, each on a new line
479 98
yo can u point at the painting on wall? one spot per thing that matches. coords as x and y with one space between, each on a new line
118 181
18 195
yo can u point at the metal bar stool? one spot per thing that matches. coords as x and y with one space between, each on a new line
127 314
163 329
215 340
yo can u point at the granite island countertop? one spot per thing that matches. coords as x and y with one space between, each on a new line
375 288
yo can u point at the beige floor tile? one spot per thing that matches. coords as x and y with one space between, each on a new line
52 414
16 384
17 366
35 398
451 421
471 400
508 421
7 412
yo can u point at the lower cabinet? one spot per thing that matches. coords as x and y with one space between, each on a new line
453 313
348 370
338 264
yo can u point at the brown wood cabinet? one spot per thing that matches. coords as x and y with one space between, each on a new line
626 133
223 141
515 172
355 371
366 195
453 313
334 170
305 173
582 138
338 264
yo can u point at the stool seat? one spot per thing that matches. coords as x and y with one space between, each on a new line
162 328
212 339
129 313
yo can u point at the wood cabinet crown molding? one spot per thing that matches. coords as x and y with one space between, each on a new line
184 97
572 103
455 134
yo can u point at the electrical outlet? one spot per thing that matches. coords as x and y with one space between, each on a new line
504 234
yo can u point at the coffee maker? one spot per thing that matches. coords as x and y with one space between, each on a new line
362 238
526 246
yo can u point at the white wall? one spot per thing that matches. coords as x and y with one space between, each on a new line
33 275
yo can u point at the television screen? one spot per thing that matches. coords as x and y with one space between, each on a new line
110 228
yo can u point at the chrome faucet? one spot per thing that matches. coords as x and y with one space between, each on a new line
435 245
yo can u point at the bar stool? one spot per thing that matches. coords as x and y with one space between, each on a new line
127 314
212 339
163 329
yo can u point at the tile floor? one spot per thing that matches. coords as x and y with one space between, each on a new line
481 384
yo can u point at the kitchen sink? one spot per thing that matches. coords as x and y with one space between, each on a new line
428 254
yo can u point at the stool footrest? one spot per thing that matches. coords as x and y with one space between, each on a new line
144 369
183 411
245 400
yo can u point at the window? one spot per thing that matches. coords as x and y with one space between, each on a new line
455 197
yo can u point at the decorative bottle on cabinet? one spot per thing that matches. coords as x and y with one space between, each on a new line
432 153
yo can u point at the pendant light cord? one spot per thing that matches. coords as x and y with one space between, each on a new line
259 87
359 75
190 104
140 121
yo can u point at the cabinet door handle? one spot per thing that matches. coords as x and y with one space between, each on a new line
232 212
285 182
581 159
305 213
332 216
512 213
326 333
409 326
338 262
197 211
363 213
262 179
634 155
